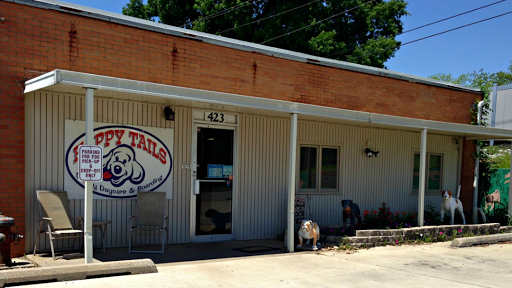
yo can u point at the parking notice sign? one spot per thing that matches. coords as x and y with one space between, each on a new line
90 163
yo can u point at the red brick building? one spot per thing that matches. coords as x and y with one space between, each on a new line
136 67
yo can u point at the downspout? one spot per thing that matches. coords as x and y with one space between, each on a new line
477 161
458 142
494 99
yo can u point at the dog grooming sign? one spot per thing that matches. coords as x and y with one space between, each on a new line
134 159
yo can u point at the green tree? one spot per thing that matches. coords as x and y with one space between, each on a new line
136 8
481 80
358 31
171 12
484 81
478 79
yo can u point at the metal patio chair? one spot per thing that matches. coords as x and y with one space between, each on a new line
149 219
54 211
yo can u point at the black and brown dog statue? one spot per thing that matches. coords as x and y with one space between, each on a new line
351 210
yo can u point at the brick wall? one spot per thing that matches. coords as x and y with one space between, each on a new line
34 41
45 40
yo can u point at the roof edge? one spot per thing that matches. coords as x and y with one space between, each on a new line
504 87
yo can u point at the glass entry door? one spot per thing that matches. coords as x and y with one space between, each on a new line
213 184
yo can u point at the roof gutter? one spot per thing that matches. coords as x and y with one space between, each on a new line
42 81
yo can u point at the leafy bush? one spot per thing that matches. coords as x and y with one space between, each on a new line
496 156
432 216
385 219
335 231
500 214
492 159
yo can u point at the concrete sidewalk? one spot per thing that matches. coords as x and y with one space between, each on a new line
427 265
174 253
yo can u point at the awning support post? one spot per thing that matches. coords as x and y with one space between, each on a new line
89 122
291 183
423 175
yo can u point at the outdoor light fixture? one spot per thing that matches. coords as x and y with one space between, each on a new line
370 153
169 114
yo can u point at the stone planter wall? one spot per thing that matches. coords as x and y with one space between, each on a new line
372 238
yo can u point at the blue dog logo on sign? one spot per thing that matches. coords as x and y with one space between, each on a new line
120 165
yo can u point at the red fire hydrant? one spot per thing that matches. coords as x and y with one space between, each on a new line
6 238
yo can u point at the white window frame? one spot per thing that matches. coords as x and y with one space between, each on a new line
427 171
319 151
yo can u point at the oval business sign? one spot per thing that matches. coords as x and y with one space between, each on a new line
133 160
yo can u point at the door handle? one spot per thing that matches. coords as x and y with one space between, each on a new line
198 181
196 186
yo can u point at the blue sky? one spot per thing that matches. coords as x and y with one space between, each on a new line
486 45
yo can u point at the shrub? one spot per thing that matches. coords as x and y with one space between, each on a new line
432 216
385 219
500 214
496 156
337 231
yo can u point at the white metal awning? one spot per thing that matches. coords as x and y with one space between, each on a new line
62 81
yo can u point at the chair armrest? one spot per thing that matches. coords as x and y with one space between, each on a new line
79 218
131 217
165 222
80 221
42 219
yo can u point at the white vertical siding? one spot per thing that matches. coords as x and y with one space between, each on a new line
371 181
46 113
503 105
368 181
262 158
179 206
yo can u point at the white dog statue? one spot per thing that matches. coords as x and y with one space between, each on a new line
450 204
309 230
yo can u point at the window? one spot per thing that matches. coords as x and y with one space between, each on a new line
318 169
434 172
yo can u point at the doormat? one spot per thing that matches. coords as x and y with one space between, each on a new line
256 249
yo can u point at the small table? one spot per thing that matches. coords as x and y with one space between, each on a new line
102 225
